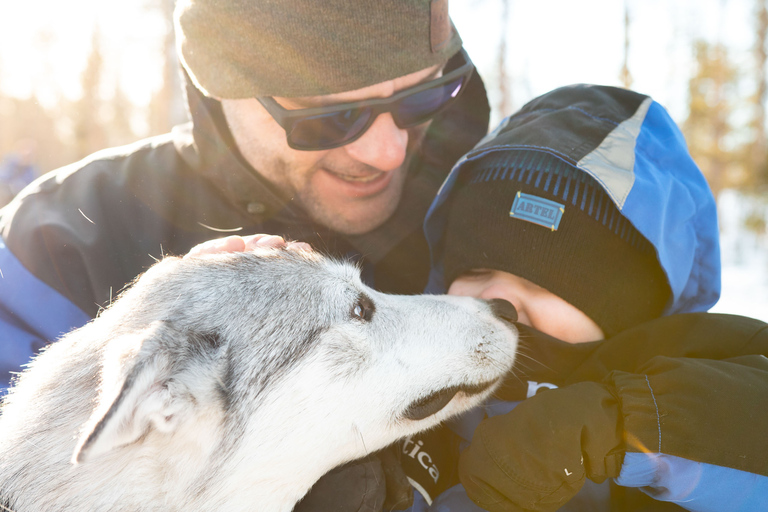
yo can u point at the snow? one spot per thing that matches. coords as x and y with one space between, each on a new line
744 256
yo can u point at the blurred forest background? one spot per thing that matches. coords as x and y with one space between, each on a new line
83 75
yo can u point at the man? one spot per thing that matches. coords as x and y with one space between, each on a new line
328 122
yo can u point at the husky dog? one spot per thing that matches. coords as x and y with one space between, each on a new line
234 382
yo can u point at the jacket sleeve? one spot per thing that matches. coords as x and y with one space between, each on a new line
691 335
694 393
695 431
31 315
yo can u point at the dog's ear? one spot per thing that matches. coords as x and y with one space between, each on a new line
143 387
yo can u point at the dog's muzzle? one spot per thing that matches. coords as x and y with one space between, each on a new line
433 403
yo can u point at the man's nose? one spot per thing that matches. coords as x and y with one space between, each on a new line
383 146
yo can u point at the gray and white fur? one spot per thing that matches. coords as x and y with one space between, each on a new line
234 382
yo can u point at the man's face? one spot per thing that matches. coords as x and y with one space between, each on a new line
353 188
536 306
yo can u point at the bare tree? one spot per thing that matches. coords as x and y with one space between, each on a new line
505 90
26 119
120 109
89 133
758 149
167 107
625 76
711 92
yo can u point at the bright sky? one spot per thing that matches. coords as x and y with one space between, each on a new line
558 42
44 43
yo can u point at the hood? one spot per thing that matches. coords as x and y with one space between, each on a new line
631 146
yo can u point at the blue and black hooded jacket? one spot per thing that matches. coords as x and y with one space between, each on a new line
697 452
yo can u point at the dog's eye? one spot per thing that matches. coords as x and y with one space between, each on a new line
363 309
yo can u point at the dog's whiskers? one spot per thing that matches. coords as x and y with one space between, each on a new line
521 352
365 448
514 374
27 441
498 365
362 440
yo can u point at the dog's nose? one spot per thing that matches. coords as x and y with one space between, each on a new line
503 309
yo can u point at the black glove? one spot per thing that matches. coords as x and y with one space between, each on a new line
399 495
537 457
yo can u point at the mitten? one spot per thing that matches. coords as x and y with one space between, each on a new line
399 494
373 484
537 457
358 486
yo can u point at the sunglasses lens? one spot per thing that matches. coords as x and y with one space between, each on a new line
419 107
336 126
328 130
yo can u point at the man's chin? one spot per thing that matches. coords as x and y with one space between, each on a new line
336 208
356 208
357 218
355 225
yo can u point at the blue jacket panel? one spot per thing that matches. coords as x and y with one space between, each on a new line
695 486
31 314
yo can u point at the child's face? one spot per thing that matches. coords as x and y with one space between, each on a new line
536 306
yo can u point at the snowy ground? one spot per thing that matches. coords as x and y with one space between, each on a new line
745 258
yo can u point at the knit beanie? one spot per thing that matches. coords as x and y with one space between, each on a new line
250 48
533 215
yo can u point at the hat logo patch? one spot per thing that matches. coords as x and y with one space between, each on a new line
537 210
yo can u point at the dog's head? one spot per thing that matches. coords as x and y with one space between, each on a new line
288 348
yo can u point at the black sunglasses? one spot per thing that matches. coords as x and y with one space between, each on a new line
312 129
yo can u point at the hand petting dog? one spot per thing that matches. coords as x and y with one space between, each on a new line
236 243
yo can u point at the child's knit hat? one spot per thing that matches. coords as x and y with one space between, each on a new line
590 193
535 216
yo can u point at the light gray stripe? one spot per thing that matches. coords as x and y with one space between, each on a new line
612 163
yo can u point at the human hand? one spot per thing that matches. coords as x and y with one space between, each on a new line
537 457
237 243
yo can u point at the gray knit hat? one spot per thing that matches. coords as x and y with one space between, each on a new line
249 48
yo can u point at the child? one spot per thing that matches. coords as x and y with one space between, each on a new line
586 212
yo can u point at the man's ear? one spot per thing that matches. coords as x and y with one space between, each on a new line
139 392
